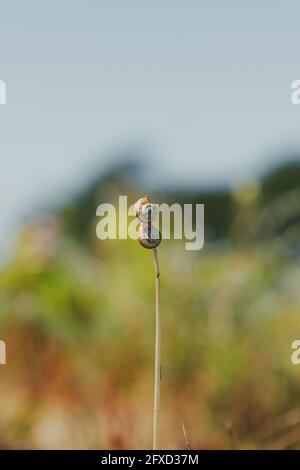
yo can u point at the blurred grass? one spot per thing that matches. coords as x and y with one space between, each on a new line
79 328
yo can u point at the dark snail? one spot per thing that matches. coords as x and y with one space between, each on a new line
149 237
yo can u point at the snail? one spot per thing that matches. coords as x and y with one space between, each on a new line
145 211
139 205
148 236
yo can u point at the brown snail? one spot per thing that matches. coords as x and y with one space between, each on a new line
145 211
139 205
148 236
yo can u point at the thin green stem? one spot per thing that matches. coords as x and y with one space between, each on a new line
157 369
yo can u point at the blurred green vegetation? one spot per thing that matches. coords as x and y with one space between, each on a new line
77 315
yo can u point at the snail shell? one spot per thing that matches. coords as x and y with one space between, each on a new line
149 237
145 211
148 213
139 205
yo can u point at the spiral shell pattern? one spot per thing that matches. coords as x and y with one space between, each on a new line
148 236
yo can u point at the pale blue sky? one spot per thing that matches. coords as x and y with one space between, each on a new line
203 85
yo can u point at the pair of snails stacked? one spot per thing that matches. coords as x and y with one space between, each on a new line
148 236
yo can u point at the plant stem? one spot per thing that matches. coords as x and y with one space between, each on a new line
157 373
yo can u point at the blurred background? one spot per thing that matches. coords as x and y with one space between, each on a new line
190 103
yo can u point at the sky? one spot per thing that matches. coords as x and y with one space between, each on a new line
203 86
